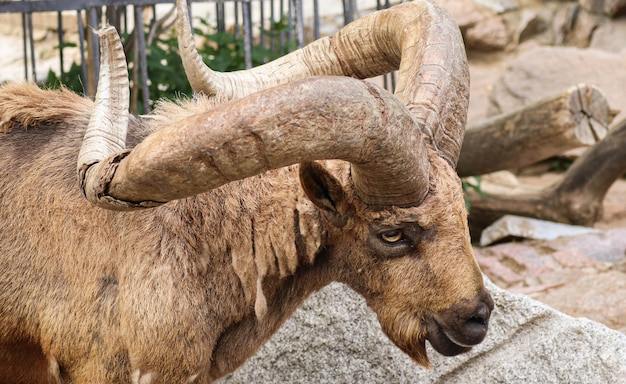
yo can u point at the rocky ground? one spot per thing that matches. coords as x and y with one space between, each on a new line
523 54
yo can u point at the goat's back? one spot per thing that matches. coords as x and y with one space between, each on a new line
92 288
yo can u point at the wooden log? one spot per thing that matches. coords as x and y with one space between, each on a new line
576 199
577 117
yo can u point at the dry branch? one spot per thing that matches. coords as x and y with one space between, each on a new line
577 117
575 199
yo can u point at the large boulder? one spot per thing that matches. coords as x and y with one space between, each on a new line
335 338
543 71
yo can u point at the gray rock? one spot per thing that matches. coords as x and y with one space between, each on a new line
544 71
335 338
499 6
605 7
490 34
528 228
530 24
610 36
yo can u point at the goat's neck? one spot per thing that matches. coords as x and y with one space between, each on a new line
283 296
271 244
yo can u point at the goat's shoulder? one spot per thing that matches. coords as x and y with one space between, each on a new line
25 105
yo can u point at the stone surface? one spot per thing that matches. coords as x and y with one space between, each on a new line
334 338
582 275
528 228
542 71
530 24
610 36
490 34
606 7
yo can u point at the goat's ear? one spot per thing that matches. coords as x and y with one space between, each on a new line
326 192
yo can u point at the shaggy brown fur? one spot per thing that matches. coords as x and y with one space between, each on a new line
191 289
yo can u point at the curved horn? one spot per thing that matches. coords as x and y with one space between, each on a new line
303 121
112 99
419 38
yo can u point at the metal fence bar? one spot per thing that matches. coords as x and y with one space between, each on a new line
143 62
72 5
316 20
246 15
221 17
299 16
246 18
236 14
94 49
81 43
262 33
31 42
272 29
349 11
25 45
60 33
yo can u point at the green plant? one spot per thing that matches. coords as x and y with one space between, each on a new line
474 184
71 79
224 52
559 164
166 80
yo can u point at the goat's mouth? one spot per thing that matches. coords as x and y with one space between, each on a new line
450 332
444 341
411 335
458 329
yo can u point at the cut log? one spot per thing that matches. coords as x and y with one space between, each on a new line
576 199
577 117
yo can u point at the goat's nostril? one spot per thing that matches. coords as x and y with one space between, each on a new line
481 316
475 327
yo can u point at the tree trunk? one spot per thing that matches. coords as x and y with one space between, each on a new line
575 199
577 117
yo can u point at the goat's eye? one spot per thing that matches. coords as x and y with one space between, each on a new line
392 236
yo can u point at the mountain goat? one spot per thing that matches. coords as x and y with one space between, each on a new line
226 212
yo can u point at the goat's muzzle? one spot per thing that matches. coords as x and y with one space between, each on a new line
460 327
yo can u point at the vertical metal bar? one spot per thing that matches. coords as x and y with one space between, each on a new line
349 8
221 16
25 45
272 29
125 12
81 43
60 33
281 36
31 40
237 29
95 47
316 19
299 13
143 62
262 33
246 14
291 16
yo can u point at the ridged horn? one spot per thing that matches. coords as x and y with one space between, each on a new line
311 119
112 100
419 38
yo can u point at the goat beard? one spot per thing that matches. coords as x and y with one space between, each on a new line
408 332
